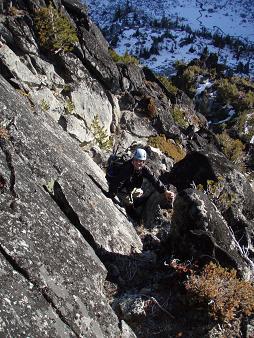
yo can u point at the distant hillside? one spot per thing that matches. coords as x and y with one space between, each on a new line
159 33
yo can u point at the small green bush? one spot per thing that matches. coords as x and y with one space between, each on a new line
168 85
126 58
100 134
23 93
241 121
167 147
180 65
179 116
250 133
189 79
247 100
243 83
238 93
69 106
54 30
50 185
245 125
217 193
13 11
219 290
226 91
232 148
44 105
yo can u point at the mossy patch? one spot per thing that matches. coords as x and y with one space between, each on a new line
168 147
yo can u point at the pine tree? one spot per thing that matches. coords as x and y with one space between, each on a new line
54 30
100 134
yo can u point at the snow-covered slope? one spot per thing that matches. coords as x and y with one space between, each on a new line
234 17
135 31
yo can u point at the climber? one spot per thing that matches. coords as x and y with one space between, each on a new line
127 182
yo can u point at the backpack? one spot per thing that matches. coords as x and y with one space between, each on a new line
114 163
116 160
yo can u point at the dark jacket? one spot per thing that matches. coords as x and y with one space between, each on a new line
127 179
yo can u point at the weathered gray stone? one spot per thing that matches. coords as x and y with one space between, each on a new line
136 125
76 128
167 125
17 68
199 231
97 57
49 164
75 7
45 100
55 220
89 103
38 76
73 69
127 331
24 310
132 76
23 35
131 307
5 35
47 72
54 256
50 207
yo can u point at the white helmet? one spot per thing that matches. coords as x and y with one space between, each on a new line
140 154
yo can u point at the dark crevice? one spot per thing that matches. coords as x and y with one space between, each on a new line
25 274
2 182
106 193
78 117
10 166
14 264
97 184
63 123
58 196
12 170
5 72
58 312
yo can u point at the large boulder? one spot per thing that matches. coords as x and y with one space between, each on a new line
138 126
194 168
200 231
132 76
217 175
231 195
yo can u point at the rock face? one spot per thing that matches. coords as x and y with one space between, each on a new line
220 228
53 217
198 222
34 313
62 241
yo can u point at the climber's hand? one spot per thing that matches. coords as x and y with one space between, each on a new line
169 195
